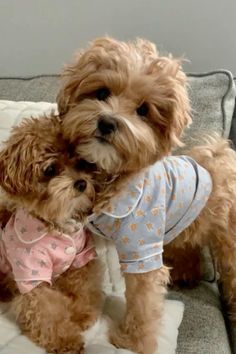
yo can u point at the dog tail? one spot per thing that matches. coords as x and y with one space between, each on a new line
215 152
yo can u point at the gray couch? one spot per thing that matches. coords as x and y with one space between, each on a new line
204 329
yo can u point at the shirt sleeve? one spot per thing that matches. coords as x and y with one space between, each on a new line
31 265
138 238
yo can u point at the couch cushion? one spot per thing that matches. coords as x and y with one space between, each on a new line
95 338
232 134
12 112
37 88
203 329
212 98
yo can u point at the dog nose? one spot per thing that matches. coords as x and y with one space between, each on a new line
80 185
107 125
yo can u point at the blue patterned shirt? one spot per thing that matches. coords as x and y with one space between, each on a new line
154 208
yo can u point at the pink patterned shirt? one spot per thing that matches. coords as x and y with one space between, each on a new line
34 255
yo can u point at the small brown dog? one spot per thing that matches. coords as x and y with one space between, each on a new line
125 107
48 263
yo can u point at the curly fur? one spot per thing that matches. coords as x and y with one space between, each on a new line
132 74
53 317
33 146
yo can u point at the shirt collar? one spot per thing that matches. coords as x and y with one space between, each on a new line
29 229
125 203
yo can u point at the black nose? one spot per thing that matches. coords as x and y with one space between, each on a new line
107 125
80 185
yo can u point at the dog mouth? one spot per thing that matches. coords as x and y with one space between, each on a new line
102 139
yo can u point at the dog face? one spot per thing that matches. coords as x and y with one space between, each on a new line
123 105
37 173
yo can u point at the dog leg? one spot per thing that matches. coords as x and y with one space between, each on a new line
145 299
43 315
8 288
84 285
224 252
185 263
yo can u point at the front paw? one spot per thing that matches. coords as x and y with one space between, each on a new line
79 350
135 341
85 320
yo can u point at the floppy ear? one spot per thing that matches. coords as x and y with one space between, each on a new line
70 80
172 99
171 89
15 166
85 62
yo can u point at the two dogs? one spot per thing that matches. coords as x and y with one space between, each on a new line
122 108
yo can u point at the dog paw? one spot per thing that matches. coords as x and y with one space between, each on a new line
144 344
74 351
79 351
86 320
70 348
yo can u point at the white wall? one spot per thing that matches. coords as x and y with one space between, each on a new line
39 36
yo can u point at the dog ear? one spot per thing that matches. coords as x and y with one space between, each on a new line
15 165
172 99
85 62
70 80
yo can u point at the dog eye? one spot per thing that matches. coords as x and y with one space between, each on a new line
51 171
102 94
143 110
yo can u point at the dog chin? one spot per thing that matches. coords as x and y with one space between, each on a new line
83 204
102 153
